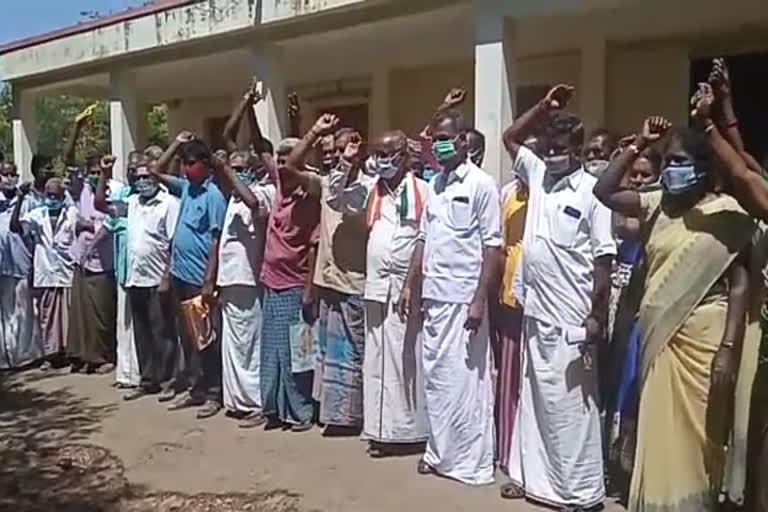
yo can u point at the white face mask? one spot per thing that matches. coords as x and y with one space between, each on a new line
596 167
557 165
9 181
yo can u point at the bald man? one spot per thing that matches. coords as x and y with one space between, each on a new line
393 402
52 229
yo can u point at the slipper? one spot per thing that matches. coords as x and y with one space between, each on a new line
511 491
302 427
252 420
425 469
105 368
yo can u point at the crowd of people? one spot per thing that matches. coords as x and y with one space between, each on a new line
593 327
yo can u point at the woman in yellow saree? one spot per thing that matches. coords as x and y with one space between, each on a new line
692 321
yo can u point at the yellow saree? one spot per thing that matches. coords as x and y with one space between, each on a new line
681 319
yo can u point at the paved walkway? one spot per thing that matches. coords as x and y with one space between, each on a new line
173 451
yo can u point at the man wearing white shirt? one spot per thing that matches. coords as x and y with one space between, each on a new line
568 247
457 254
151 223
19 333
240 256
52 228
393 400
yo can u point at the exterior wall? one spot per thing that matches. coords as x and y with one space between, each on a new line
647 80
163 28
192 114
416 92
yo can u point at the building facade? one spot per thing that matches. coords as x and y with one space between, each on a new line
380 64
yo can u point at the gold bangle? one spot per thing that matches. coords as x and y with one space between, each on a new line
709 128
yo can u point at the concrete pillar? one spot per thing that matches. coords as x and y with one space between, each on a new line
24 131
494 83
378 106
271 112
125 119
592 89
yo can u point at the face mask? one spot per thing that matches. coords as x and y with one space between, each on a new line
54 205
145 188
93 181
596 167
385 166
369 169
246 177
558 165
477 156
428 174
196 173
679 179
444 150
9 182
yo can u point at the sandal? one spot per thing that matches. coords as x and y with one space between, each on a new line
252 420
302 427
512 491
425 469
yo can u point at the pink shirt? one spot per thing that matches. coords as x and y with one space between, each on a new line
292 230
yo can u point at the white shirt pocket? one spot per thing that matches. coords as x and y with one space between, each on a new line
564 226
460 211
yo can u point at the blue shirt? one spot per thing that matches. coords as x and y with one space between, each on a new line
201 217
118 226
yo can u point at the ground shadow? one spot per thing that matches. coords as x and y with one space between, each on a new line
44 466
47 465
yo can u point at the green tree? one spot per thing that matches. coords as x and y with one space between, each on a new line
56 116
6 128
157 124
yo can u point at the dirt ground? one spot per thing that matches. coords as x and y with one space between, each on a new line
68 442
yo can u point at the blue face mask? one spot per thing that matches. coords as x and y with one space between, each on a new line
54 205
246 177
444 150
679 179
428 174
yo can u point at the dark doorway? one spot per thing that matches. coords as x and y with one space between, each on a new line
749 81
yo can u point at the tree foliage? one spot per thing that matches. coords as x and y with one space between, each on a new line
55 118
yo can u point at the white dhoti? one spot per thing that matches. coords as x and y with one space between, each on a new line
556 453
127 371
459 394
241 347
393 401
20 340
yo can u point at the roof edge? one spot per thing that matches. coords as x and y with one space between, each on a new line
119 17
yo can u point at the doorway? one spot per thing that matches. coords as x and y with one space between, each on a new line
749 81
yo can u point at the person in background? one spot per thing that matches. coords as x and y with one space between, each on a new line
506 315
51 227
74 180
393 402
620 364
93 313
112 199
476 146
564 282
457 253
240 255
340 280
20 342
690 352
600 145
194 265
291 232
150 222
